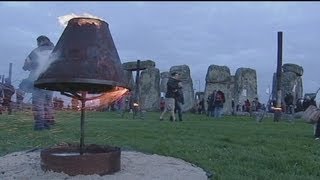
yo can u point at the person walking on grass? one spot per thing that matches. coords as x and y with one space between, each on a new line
173 85
42 105
178 101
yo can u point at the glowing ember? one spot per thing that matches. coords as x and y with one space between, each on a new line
63 20
89 21
277 108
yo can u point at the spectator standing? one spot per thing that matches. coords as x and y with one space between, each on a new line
288 99
219 100
210 102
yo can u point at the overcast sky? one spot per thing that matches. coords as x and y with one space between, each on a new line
198 34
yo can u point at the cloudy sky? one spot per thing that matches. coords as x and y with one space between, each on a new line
198 34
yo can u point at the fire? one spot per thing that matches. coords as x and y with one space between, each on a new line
277 108
107 98
89 21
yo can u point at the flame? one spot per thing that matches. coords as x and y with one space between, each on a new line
63 20
135 104
106 99
276 108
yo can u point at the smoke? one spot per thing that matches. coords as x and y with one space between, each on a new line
44 59
63 20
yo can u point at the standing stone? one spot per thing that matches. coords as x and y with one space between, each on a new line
187 85
299 88
245 85
218 74
291 81
143 65
129 79
163 82
219 78
288 67
149 89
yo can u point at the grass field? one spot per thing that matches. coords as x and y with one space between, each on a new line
229 148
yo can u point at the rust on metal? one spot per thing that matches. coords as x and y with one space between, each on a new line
85 58
96 159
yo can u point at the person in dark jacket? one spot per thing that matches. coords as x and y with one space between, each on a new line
219 100
201 106
178 101
36 62
173 85
210 101
288 99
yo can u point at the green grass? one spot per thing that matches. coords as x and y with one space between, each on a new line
230 148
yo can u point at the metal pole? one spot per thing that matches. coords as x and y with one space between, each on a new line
10 72
138 83
83 103
277 113
137 91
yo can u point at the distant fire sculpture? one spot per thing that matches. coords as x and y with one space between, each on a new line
84 61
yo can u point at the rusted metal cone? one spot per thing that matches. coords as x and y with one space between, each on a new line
84 59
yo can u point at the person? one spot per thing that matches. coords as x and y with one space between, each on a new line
162 104
178 101
256 105
247 105
219 100
232 106
173 85
201 106
317 130
7 92
210 102
75 104
307 102
122 104
42 105
288 99
19 98
299 105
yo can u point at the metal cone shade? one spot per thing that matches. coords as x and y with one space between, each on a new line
84 59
